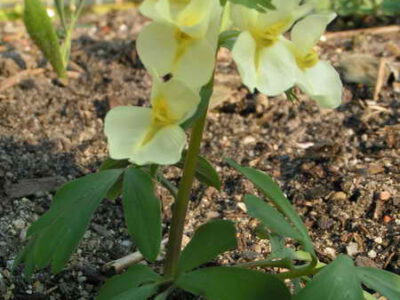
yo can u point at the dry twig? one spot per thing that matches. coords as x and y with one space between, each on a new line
380 80
373 31
16 79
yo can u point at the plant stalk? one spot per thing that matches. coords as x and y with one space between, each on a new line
267 263
185 186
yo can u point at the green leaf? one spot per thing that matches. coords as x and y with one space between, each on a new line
384 282
205 172
109 164
60 8
260 5
273 192
209 240
278 248
128 285
40 29
227 283
391 7
227 39
142 212
57 233
270 217
336 281
205 95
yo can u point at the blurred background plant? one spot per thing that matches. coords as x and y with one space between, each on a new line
360 7
12 9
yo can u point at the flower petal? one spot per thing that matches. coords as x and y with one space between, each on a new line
243 53
196 64
276 71
244 18
148 9
125 127
157 47
182 101
323 84
195 18
165 148
191 61
307 32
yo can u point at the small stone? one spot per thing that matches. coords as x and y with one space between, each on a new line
352 249
242 207
363 261
387 219
384 196
372 254
126 243
378 240
212 215
375 169
249 140
19 224
249 255
339 196
82 279
330 251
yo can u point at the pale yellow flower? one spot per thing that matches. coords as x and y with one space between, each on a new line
183 39
315 77
260 52
152 135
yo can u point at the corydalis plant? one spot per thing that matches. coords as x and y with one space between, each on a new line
179 48
44 33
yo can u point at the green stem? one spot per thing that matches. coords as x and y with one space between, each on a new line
267 263
309 269
167 184
185 186
66 46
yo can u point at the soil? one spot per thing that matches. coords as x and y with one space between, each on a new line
340 168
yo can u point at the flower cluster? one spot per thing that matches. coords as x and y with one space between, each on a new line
179 45
178 49
271 63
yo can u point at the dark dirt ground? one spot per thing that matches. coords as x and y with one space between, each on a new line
341 168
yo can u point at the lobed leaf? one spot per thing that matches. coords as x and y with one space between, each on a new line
205 172
260 5
209 240
110 164
138 283
338 280
273 192
142 212
384 282
271 218
55 235
41 30
227 39
228 283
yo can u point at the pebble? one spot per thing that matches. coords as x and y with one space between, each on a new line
126 243
242 207
378 240
212 215
352 249
372 254
339 196
19 224
330 251
384 196
363 261
249 140
249 255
